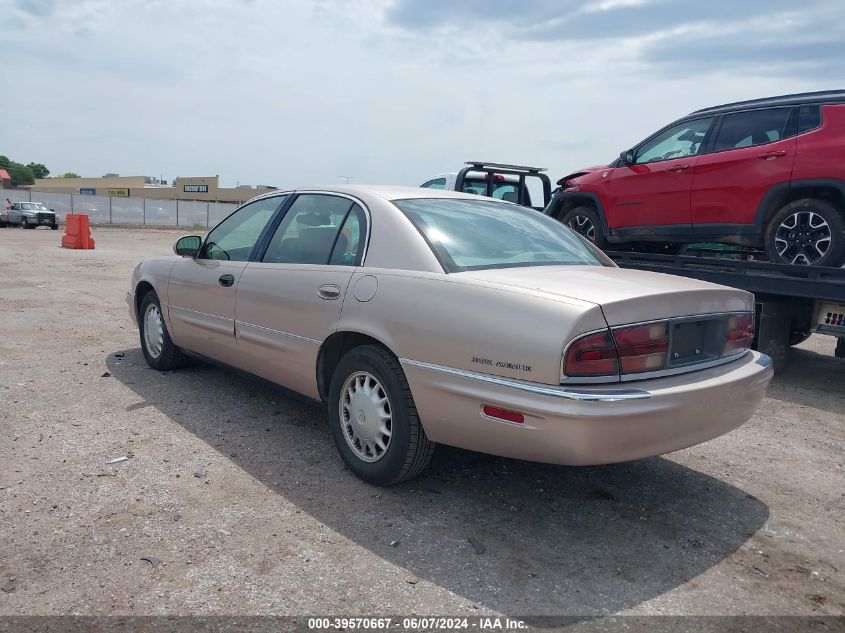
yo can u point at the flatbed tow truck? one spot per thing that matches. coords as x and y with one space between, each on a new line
792 301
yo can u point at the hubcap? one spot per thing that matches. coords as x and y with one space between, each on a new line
583 225
153 330
365 416
803 238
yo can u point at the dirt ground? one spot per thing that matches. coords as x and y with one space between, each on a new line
235 495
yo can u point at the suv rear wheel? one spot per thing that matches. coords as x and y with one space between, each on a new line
585 220
806 232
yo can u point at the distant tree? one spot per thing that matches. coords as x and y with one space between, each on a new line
39 170
21 174
69 174
5 163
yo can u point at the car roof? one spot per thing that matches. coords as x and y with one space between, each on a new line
802 98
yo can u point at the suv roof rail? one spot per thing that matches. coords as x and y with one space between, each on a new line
480 164
791 99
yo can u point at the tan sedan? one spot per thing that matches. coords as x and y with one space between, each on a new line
424 317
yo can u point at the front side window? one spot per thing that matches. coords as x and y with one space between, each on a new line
310 232
235 237
481 234
756 127
437 183
679 141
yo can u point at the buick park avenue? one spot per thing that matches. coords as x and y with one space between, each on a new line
421 317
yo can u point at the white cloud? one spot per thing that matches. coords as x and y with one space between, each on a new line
301 92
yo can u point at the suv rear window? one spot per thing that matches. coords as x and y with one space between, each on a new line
480 234
755 127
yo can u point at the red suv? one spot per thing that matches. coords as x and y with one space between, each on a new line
768 173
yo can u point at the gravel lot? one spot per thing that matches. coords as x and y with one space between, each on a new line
238 492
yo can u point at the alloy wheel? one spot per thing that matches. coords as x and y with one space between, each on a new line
803 238
583 225
365 416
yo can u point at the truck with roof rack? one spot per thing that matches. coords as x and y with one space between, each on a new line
527 186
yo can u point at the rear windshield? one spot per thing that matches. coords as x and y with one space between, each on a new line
480 234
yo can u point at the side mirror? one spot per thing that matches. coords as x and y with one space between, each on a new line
188 246
627 157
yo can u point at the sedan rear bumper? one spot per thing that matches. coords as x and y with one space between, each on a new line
587 425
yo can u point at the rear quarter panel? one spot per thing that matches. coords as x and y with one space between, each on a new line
821 152
433 318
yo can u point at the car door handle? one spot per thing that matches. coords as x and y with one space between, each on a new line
328 292
683 167
770 155
226 280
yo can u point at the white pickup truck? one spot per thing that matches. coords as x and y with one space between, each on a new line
528 186
28 215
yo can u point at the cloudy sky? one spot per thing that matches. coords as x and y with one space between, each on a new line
292 92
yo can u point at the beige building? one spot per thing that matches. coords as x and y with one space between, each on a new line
193 188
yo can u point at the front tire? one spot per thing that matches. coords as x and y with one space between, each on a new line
54 227
25 223
373 419
807 232
586 221
159 350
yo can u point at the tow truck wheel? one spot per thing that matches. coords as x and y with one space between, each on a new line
585 220
807 232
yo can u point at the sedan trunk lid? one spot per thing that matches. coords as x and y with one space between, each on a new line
625 296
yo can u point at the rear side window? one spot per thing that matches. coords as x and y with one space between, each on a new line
755 127
310 232
809 118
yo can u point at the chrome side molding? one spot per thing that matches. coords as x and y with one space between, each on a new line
586 395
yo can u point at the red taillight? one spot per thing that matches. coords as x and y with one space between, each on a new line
642 347
503 414
592 355
740 334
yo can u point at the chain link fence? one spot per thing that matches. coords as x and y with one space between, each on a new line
121 210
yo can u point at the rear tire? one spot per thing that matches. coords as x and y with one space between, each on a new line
373 419
156 344
808 232
586 221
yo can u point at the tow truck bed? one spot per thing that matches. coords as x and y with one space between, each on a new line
792 301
